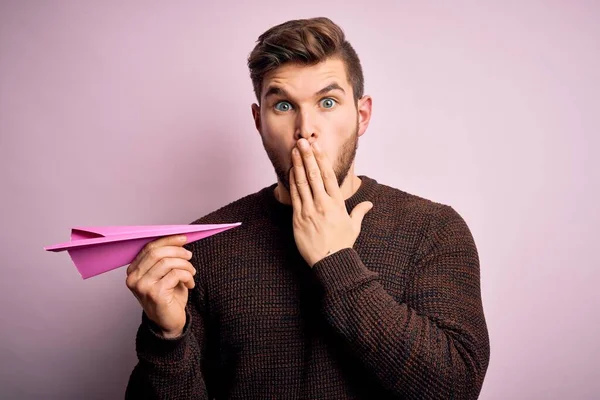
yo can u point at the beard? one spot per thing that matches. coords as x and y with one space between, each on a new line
341 166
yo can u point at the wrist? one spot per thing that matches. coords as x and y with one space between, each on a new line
172 334
315 261
342 271
159 331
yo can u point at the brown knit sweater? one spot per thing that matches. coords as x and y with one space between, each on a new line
398 316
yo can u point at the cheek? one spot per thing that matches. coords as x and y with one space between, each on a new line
339 123
346 120
276 124
339 128
278 132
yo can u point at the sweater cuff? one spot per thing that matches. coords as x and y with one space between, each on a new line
342 271
155 348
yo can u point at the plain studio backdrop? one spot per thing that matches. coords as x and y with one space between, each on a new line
134 113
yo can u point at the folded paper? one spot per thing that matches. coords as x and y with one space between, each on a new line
98 249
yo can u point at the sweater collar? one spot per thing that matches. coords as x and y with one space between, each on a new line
366 192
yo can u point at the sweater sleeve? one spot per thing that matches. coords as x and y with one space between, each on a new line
434 344
171 368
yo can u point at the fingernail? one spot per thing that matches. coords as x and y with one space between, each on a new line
316 146
295 151
182 238
189 253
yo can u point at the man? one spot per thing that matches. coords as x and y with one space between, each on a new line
334 286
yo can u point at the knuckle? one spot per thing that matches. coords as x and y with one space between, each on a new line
301 182
153 253
327 175
180 276
130 282
142 288
171 274
314 174
149 247
162 263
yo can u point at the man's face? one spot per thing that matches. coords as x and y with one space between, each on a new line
312 102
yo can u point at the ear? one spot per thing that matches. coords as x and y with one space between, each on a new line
256 116
365 104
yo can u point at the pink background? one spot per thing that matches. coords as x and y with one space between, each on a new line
139 113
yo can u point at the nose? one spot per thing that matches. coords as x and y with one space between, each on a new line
305 127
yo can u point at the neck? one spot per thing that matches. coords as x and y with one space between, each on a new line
348 188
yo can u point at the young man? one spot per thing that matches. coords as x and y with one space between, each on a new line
334 286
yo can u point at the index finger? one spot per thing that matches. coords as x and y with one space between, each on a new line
311 167
172 240
327 173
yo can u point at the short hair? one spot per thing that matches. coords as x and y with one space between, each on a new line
304 41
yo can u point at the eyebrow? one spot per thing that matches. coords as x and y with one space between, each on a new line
277 91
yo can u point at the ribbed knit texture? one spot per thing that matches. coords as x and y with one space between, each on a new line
397 316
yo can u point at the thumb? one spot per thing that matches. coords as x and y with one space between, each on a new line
359 212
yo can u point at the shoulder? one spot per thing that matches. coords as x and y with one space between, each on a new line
426 215
401 202
428 226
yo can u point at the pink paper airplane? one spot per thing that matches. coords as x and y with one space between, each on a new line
99 249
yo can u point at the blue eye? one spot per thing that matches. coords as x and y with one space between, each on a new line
328 103
283 106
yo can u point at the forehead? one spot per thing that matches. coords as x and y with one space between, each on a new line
308 79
